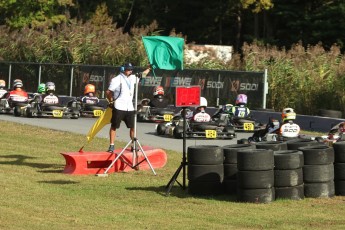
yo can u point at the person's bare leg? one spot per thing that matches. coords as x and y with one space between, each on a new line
112 134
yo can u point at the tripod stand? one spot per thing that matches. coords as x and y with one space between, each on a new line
183 163
135 141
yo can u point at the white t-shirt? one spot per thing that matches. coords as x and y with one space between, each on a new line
123 90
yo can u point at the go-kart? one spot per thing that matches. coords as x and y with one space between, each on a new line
37 108
86 109
272 132
145 113
13 105
336 134
219 129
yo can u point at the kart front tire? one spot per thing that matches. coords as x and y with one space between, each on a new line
16 111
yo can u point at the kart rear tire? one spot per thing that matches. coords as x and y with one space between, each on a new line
178 132
16 111
161 129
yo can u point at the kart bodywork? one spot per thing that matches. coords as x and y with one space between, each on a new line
36 108
219 129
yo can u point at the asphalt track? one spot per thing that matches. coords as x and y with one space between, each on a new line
145 132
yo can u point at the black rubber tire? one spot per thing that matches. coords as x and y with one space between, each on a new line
161 129
319 190
265 195
255 179
242 141
288 177
230 152
205 188
318 155
291 193
339 151
298 143
255 159
29 113
339 186
178 132
205 155
288 159
230 171
16 111
205 172
273 145
330 113
318 173
339 171
230 186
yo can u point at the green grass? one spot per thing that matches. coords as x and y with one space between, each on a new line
35 194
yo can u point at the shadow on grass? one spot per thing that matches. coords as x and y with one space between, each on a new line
22 160
60 182
179 192
51 171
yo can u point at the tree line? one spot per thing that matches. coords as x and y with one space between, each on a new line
300 42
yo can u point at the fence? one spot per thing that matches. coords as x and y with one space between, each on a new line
218 86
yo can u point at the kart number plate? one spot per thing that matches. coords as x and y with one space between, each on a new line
211 133
97 113
167 117
57 113
248 126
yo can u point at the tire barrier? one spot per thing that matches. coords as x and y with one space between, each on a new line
295 144
205 170
255 176
288 174
339 168
230 166
318 171
273 145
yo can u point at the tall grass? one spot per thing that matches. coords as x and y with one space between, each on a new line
35 194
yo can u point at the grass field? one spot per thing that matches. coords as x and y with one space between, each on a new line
35 194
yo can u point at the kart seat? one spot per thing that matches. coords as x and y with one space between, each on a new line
161 111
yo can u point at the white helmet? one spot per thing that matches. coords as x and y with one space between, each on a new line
203 102
288 114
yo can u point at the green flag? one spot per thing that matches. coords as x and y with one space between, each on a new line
164 52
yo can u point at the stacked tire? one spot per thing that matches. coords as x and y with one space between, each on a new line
288 174
230 166
318 171
255 176
205 170
273 145
339 168
295 144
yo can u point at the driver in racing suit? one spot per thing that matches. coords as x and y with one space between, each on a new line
200 114
240 109
3 91
89 97
158 100
289 129
50 98
18 94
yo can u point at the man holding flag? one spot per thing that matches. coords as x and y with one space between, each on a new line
120 96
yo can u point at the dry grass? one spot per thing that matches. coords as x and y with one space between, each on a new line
36 195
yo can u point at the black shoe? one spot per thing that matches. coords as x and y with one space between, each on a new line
111 149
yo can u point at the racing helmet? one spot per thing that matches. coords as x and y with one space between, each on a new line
50 86
17 84
158 90
41 88
89 88
288 114
241 99
2 83
203 103
227 108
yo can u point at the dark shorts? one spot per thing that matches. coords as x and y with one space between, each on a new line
119 115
